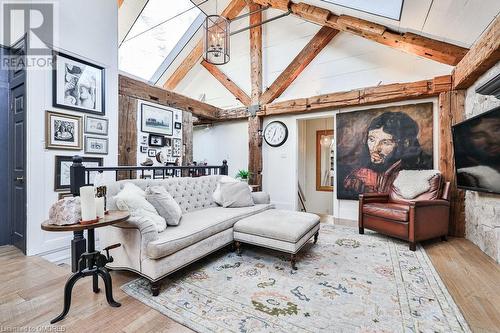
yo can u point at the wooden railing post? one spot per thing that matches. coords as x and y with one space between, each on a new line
224 169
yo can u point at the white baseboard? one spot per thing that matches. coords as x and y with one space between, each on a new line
58 256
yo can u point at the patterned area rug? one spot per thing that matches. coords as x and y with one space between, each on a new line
345 283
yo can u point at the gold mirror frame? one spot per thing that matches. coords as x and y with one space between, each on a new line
320 151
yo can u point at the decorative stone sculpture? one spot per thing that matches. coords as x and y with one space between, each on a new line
65 211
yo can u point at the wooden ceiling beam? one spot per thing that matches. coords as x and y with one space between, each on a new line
366 96
231 11
142 90
227 83
299 63
483 55
426 47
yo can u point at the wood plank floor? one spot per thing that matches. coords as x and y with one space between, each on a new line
31 293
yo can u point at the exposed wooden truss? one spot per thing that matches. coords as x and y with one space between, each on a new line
230 12
484 54
227 82
142 90
255 122
299 63
445 53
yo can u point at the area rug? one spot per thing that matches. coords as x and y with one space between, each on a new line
345 283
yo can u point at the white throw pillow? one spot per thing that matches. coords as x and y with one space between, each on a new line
165 204
133 199
217 195
236 195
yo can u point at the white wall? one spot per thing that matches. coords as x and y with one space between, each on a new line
218 142
88 30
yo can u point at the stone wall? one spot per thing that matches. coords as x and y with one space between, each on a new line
482 211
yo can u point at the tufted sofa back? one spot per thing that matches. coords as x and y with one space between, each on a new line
190 193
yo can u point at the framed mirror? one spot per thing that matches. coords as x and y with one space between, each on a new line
325 173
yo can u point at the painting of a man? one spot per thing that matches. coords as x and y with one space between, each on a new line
374 145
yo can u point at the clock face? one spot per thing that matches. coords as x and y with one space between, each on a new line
275 133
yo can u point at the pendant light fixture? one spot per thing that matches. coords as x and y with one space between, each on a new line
216 37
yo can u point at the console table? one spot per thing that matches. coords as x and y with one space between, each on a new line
92 262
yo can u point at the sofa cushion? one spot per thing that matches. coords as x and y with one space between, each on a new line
283 225
164 204
236 195
392 211
198 225
217 195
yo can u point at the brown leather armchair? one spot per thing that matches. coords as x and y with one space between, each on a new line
423 217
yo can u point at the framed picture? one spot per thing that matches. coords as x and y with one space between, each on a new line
96 125
95 145
151 152
77 84
156 140
63 167
176 148
144 140
63 131
156 120
177 125
63 195
168 142
144 149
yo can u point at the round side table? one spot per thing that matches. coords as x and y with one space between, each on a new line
90 263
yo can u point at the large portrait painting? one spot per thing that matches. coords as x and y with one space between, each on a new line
373 145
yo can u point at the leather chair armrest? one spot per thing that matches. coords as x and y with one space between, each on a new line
374 197
430 203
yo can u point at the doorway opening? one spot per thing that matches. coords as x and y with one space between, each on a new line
316 165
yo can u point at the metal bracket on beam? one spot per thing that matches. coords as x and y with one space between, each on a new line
261 23
253 109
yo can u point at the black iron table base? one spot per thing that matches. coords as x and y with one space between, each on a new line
91 263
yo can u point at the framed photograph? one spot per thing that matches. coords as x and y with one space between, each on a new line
151 152
168 142
96 125
78 85
63 195
156 120
178 125
63 131
144 140
156 140
62 170
95 145
144 149
176 148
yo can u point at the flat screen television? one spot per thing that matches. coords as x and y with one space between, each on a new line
476 144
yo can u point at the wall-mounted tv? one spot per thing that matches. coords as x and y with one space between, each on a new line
476 142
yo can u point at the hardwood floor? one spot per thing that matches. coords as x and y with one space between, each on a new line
31 293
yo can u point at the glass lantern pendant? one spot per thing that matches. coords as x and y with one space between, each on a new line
216 40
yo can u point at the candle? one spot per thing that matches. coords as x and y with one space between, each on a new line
99 207
88 203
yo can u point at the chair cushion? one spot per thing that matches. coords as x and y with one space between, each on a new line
392 211
198 225
283 225
415 185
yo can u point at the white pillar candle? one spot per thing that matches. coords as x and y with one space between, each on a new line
99 207
87 201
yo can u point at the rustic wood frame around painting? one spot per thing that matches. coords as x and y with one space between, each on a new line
319 187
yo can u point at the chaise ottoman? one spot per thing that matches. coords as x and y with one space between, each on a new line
282 230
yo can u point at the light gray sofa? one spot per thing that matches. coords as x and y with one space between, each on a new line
204 228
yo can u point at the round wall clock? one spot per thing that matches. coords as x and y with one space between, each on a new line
275 133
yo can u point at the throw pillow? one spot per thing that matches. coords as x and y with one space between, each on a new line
132 199
217 195
236 195
165 204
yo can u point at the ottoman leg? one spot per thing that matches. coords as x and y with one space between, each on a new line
237 245
316 237
293 260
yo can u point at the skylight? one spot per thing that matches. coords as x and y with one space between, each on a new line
155 33
386 8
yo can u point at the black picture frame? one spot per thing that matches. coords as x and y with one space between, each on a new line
58 186
56 86
144 149
177 125
151 152
152 141
144 128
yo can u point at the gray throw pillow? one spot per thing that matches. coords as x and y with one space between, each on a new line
236 195
164 204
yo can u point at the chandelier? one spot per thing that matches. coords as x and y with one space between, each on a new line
216 38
